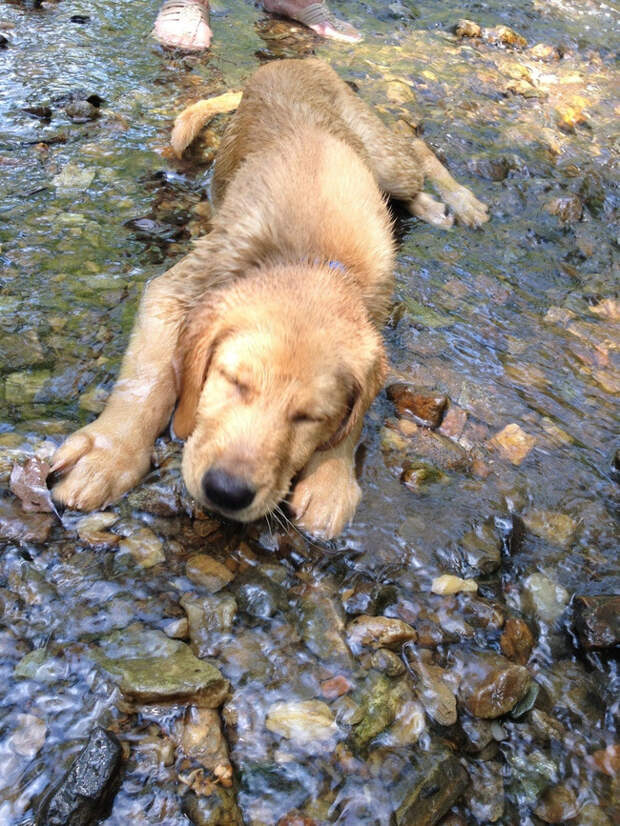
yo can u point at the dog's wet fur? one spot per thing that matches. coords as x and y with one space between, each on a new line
267 335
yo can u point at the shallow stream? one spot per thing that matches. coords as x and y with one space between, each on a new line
501 706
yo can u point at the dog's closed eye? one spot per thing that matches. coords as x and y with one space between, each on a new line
242 386
301 417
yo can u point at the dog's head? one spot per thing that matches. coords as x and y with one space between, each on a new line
271 371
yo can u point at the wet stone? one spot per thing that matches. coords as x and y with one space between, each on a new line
467 28
91 529
387 662
568 208
81 111
19 350
208 618
423 407
417 476
150 667
555 528
378 704
29 736
492 686
219 807
504 36
596 620
513 443
321 627
447 584
481 548
204 570
517 641
144 547
378 632
85 793
430 798
491 169
486 796
258 595
547 599
435 694
17 526
303 721
161 498
557 805
478 733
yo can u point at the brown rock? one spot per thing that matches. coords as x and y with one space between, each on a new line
557 805
453 422
543 51
424 407
505 36
434 693
429 799
202 569
467 28
568 208
28 484
295 818
17 526
493 686
517 641
607 760
378 632
597 620
513 443
335 687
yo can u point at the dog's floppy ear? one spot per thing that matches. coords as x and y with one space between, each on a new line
365 377
192 359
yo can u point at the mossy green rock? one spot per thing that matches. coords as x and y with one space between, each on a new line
150 667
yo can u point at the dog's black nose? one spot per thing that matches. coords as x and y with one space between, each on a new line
226 491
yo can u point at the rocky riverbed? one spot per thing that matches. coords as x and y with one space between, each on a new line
452 658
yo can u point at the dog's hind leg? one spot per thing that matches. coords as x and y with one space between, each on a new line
401 164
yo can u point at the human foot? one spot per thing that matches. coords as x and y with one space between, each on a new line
183 24
316 16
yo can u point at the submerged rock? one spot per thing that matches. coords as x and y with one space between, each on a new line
219 807
547 599
17 526
557 805
467 28
596 620
303 721
486 796
378 632
447 584
517 641
144 546
423 407
492 686
204 570
513 443
87 789
481 548
435 793
150 667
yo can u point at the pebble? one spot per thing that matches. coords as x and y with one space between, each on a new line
513 443
547 599
91 528
481 548
73 178
607 760
302 721
204 570
388 662
505 36
555 528
418 475
144 547
440 782
408 725
557 805
208 618
29 736
378 632
423 407
517 641
486 796
568 208
492 686
596 620
336 687
467 28
199 736
449 584
81 111
435 694
17 526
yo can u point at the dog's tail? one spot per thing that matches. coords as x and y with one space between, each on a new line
191 120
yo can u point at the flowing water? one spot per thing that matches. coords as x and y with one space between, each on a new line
517 324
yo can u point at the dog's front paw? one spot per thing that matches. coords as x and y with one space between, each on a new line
324 501
467 208
97 468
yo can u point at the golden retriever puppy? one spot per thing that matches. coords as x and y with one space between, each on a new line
267 335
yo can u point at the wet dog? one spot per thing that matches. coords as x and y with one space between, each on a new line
267 335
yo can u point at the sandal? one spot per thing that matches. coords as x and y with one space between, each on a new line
321 20
183 24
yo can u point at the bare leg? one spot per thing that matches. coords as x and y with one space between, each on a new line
315 15
103 460
327 494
